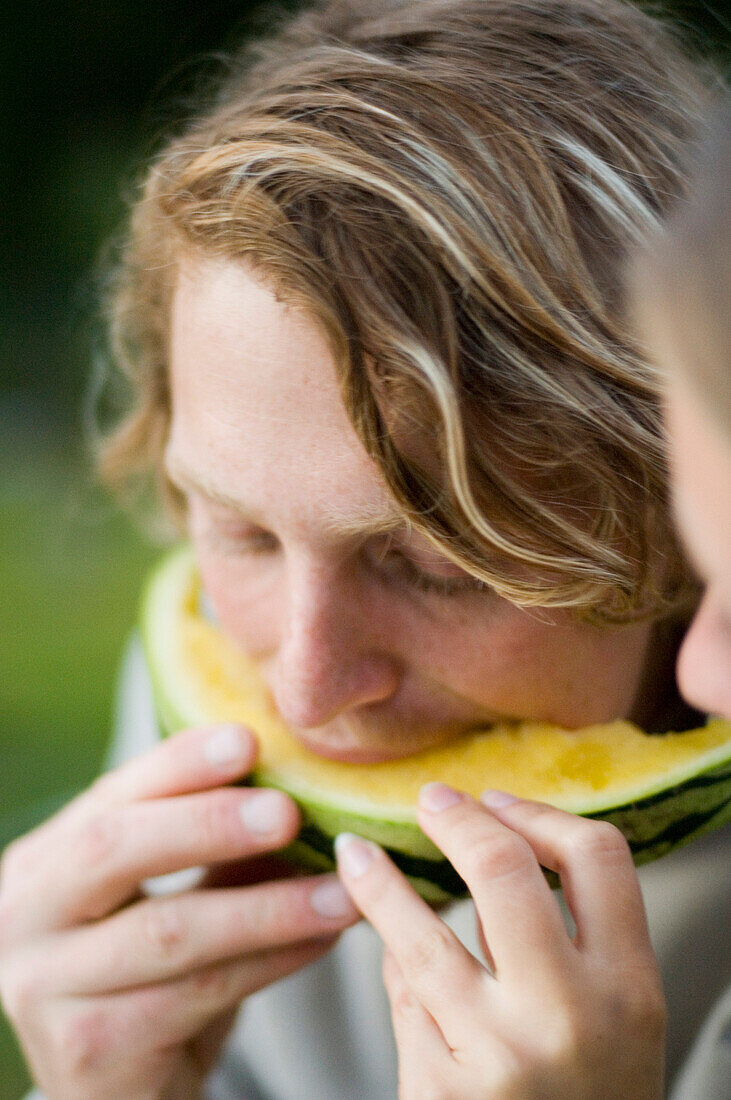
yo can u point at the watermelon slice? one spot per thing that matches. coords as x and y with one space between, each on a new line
661 791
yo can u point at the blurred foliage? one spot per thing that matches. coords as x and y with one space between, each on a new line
85 91
73 566
72 569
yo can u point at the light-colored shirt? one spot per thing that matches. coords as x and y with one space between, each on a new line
324 1033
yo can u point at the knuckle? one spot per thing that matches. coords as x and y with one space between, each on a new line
427 951
265 911
402 1005
509 1074
572 1031
598 841
534 811
164 930
403 1002
214 823
644 1005
562 1039
98 841
576 1028
654 1016
500 857
81 1040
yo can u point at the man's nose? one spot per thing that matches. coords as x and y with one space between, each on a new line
331 657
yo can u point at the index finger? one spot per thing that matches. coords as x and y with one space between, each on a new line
598 877
446 979
195 759
520 917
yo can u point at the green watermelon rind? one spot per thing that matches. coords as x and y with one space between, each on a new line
437 881
662 818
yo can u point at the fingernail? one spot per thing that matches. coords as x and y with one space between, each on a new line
263 811
495 799
354 855
330 899
225 745
438 796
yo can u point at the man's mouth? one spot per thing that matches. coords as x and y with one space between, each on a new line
332 748
348 754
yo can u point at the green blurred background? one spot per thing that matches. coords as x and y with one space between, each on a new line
85 92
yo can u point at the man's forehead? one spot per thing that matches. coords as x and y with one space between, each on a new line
339 514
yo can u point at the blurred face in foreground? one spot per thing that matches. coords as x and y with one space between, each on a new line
701 466
374 645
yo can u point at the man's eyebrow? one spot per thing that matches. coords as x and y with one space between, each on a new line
186 480
359 525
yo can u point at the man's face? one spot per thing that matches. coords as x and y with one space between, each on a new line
374 645
701 468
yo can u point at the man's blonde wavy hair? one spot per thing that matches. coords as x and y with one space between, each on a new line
450 188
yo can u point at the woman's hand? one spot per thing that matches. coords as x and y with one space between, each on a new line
114 993
551 1015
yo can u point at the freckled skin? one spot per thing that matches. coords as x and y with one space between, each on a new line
362 663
